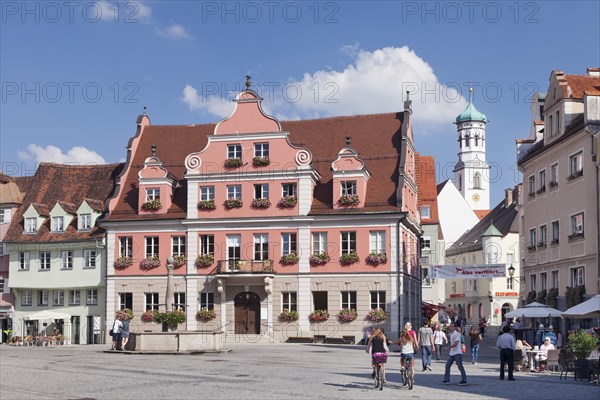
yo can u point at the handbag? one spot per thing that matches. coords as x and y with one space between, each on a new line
110 332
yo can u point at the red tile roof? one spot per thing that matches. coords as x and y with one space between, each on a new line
376 137
427 190
481 213
54 183
580 84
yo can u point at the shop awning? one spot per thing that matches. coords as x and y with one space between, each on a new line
433 307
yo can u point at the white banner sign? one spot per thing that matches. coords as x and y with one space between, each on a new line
473 271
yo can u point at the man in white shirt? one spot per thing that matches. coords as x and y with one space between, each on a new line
507 345
455 355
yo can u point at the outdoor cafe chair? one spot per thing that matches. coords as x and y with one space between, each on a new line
552 360
566 365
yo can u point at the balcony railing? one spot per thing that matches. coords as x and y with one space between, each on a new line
245 267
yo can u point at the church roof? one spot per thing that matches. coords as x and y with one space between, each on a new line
492 231
471 114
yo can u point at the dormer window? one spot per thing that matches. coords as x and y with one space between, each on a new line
58 224
425 212
289 189
85 221
348 188
152 194
234 151
31 225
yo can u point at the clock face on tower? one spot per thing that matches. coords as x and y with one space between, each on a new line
475 197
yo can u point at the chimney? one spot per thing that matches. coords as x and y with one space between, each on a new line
408 103
593 71
508 197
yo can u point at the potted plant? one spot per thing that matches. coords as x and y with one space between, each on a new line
349 258
261 161
320 258
205 314
261 203
204 260
170 319
233 163
575 295
289 316
377 315
348 200
124 314
149 315
553 184
551 298
233 203
123 262
318 316
531 296
287 202
376 258
149 263
179 261
581 344
206 205
289 259
541 296
347 315
152 205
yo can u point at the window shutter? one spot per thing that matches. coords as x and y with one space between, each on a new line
7 215
26 260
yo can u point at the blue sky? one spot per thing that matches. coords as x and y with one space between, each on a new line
76 75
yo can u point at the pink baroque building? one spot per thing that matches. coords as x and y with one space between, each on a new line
269 222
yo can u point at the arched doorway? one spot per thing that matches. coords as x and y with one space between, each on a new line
506 308
247 313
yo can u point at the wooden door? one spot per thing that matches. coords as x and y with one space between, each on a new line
247 313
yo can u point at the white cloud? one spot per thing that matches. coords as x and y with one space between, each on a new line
213 105
129 11
375 82
76 155
175 31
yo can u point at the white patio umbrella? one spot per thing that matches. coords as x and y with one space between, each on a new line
535 310
588 309
46 315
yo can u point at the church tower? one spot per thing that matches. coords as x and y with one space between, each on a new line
471 172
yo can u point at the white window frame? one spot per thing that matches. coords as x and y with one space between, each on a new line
85 221
66 259
543 235
425 242
348 299
43 297
289 189
576 162
377 242
234 151
207 300
31 225
347 242
207 244
178 245
554 172
533 282
151 246
125 300
45 260
151 300
531 184
91 297
425 211
577 229
542 179
152 194
89 258
26 298
234 247
533 237
378 298
261 246
261 191
543 280
261 149
555 279
234 191
289 301
577 276
125 246
555 232
319 242
58 224
74 297
289 243
58 297
207 193
348 188
179 301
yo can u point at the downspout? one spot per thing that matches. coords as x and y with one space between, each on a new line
399 286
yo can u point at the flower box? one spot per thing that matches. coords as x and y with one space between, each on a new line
150 263
233 163
377 315
553 184
233 203
347 200
347 315
152 205
149 316
205 314
287 202
554 241
179 261
206 205
376 258
261 161
349 258
289 259
531 247
123 262
541 190
320 258
318 316
171 318
531 194
204 260
576 236
575 175
124 314
289 316
541 244
261 203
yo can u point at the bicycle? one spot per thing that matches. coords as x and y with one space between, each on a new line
379 359
408 373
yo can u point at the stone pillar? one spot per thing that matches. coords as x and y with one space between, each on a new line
169 299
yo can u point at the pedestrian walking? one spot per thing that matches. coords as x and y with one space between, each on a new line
475 339
439 340
455 355
507 345
116 330
425 340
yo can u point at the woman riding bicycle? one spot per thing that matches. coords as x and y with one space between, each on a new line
409 346
377 345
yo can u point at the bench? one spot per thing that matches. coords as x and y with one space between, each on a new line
299 339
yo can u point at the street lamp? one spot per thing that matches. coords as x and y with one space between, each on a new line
511 273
